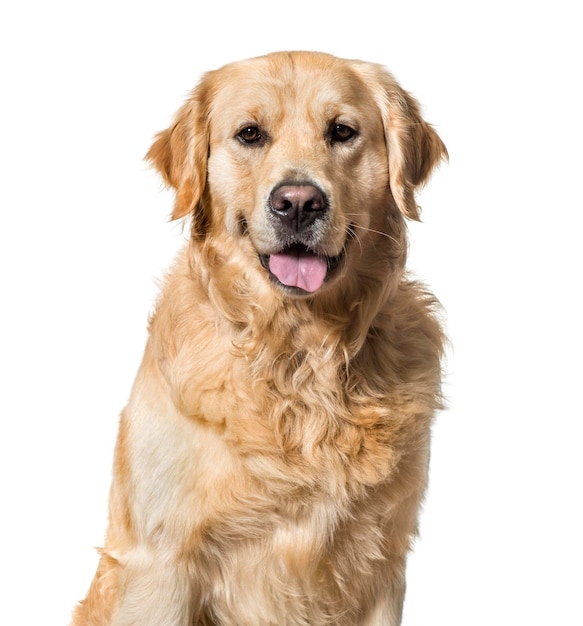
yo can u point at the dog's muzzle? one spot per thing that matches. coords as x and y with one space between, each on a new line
297 212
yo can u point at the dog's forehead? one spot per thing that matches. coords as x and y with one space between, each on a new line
265 87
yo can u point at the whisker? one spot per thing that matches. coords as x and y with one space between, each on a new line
377 232
355 237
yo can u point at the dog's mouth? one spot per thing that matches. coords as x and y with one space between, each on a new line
299 269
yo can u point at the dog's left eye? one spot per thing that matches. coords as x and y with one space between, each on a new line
250 135
341 132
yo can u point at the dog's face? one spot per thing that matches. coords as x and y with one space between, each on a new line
300 157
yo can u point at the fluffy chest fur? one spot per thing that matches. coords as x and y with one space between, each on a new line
283 389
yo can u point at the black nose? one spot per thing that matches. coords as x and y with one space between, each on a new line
298 206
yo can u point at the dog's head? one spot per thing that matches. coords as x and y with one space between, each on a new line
303 158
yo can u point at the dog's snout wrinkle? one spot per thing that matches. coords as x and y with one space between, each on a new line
298 206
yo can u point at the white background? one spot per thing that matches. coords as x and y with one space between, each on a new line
84 234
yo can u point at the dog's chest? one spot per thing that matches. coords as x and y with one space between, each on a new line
289 420
279 578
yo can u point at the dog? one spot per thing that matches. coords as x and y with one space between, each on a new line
273 455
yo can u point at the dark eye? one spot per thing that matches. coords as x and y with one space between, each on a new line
250 135
341 132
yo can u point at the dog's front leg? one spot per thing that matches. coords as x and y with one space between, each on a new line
155 591
137 588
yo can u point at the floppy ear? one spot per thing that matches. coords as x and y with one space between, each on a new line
180 154
413 146
414 150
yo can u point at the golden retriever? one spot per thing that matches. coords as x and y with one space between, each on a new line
273 455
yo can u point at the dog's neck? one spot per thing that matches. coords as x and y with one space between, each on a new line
258 314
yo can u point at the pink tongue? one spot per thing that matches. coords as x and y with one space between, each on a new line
298 268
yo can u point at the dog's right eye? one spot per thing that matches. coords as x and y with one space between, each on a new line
250 135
